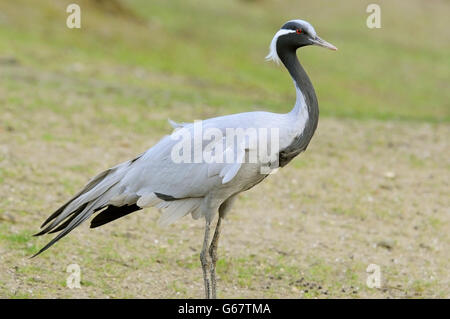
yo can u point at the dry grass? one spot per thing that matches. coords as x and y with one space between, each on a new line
364 192
372 187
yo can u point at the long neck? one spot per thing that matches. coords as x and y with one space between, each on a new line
306 96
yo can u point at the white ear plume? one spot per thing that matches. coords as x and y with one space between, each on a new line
273 55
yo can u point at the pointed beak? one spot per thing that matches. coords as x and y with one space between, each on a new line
322 43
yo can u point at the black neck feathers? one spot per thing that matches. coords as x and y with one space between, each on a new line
289 58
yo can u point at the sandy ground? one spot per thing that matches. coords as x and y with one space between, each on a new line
365 192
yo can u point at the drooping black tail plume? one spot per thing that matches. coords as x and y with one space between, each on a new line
94 197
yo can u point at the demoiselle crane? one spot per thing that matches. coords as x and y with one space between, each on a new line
166 176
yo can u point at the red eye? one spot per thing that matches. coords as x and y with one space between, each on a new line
298 31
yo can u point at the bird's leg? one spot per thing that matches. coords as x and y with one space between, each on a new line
204 258
213 254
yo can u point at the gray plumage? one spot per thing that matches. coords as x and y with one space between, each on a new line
153 179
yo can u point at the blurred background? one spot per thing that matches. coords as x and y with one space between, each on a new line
372 187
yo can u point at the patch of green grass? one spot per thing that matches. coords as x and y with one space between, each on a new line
419 286
69 185
176 59
435 222
178 287
356 212
21 295
319 271
29 269
21 241
17 239
87 283
416 162
192 262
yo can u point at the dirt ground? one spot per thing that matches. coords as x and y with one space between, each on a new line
371 191
365 192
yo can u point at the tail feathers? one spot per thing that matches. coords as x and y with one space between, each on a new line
89 186
94 196
113 213
50 228
104 192
97 192
63 225
78 217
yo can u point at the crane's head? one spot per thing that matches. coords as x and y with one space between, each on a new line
295 34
